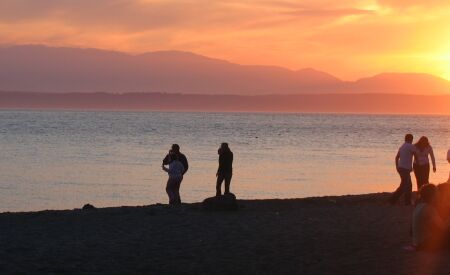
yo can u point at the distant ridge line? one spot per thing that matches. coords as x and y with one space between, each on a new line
46 69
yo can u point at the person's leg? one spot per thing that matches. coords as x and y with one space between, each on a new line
227 183
426 173
416 169
177 191
407 187
399 191
396 195
422 175
220 179
169 191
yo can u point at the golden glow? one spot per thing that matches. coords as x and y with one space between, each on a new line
349 38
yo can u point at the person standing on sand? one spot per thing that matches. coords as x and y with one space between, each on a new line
175 171
225 170
181 157
448 159
422 163
403 164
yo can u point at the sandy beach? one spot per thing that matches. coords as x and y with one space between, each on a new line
358 234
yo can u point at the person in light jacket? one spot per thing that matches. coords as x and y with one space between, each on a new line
175 171
403 164
421 164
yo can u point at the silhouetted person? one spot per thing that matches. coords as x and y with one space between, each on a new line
180 157
448 159
429 230
422 163
225 170
175 171
403 164
444 201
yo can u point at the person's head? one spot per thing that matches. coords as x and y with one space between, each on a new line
175 148
409 138
427 193
173 156
223 148
422 143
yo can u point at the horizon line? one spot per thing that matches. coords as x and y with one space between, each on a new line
125 110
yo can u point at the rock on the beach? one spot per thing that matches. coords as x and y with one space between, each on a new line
224 202
88 207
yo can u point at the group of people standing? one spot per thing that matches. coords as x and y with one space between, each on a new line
413 157
410 157
176 165
431 216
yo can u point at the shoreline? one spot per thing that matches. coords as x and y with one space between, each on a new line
349 234
197 205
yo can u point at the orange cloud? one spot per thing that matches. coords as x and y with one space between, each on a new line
348 38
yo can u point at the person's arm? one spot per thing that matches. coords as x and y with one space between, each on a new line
397 158
165 168
220 164
166 160
185 164
415 154
182 169
433 161
230 161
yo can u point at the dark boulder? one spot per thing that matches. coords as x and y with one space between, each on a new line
224 202
88 207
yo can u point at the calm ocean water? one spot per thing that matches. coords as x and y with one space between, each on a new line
62 159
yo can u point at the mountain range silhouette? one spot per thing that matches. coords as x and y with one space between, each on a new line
36 68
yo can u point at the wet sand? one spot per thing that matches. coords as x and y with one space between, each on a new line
359 234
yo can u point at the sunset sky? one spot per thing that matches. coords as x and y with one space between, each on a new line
348 38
